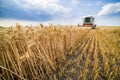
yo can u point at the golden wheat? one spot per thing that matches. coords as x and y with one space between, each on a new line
58 52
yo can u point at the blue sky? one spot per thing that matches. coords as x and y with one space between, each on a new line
26 12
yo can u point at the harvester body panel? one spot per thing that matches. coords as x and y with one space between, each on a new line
88 21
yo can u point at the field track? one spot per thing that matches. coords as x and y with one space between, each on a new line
88 59
56 53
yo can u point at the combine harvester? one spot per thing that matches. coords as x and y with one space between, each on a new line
88 21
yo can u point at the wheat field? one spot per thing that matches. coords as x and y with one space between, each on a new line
58 52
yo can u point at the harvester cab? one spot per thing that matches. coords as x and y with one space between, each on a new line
88 21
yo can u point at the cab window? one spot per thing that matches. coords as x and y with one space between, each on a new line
87 19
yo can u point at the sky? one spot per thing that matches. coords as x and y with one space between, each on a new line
66 12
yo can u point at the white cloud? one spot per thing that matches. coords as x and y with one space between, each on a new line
109 9
107 21
48 6
75 2
99 3
12 22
